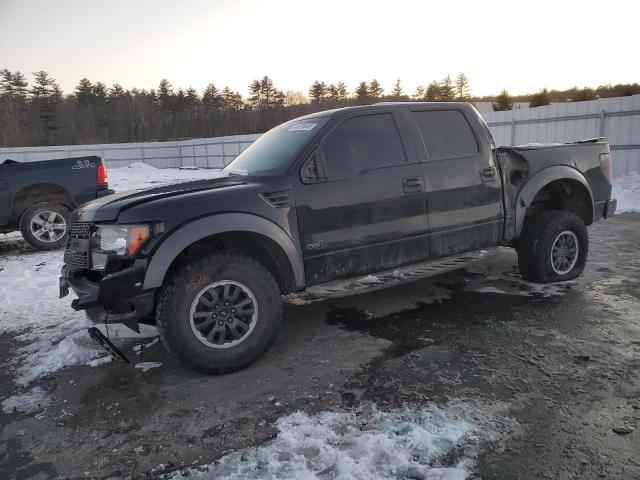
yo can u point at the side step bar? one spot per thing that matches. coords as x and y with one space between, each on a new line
387 278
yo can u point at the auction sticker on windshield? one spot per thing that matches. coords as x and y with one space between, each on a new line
301 126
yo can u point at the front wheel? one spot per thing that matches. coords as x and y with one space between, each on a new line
553 247
220 313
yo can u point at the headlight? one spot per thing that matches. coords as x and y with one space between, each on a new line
116 240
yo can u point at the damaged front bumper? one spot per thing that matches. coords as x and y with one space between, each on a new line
117 298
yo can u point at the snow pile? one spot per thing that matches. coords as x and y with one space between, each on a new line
490 290
626 189
32 401
146 366
369 280
139 175
434 443
65 353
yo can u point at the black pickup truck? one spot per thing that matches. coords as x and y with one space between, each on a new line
37 197
328 196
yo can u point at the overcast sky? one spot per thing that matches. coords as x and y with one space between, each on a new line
519 45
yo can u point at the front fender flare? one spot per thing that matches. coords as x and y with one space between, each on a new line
207 226
541 180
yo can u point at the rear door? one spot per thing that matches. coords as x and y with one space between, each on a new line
367 210
463 193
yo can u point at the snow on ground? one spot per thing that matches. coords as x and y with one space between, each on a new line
31 401
369 279
626 189
50 335
368 444
146 366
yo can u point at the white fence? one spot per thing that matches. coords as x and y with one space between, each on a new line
616 119
213 152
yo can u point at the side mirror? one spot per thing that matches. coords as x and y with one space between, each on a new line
309 172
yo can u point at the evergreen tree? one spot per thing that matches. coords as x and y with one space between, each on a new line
100 93
362 93
165 92
84 92
231 100
318 92
6 82
337 92
192 96
45 93
180 99
211 96
19 85
42 85
264 95
462 87
255 98
503 102
432 93
419 94
540 99
117 91
397 92
375 89
447 92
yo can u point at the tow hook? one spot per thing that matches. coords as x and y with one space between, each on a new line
107 344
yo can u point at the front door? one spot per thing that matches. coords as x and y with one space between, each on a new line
367 212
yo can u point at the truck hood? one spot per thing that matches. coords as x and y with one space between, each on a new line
108 208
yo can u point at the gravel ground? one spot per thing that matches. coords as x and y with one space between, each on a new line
548 375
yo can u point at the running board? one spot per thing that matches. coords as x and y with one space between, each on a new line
387 278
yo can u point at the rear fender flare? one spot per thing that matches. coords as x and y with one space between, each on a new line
541 180
208 226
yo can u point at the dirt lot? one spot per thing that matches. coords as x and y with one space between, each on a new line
557 367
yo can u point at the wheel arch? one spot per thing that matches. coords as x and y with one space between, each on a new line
559 176
30 195
244 229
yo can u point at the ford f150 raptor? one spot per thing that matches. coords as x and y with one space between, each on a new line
328 196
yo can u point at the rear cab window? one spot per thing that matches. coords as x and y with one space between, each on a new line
446 134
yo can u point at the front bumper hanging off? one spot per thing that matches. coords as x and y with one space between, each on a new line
117 298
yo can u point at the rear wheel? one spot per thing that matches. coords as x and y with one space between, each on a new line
220 313
553 247
44 225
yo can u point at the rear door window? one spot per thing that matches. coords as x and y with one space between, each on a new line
360 144
446 134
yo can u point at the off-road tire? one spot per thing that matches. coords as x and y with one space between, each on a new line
30 213
174 312
536 241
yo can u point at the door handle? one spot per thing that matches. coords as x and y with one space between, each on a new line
488 174
411 185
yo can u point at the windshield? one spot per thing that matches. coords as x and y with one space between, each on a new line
274 150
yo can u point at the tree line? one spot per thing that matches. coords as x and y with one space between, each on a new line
41 114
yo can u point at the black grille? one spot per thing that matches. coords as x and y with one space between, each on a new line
79 230
79 260
279 199
76 254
